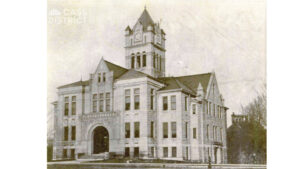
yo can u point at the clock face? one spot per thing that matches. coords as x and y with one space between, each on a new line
138 36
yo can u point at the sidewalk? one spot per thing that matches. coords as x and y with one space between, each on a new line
160 165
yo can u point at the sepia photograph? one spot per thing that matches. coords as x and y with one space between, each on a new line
156 84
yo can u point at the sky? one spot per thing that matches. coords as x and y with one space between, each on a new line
224 36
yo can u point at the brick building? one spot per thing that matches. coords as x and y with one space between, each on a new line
138 112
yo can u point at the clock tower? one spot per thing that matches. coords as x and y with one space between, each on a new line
145 46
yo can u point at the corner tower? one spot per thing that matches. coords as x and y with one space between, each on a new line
145 46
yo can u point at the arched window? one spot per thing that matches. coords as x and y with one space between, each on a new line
138 60
132 61
144 59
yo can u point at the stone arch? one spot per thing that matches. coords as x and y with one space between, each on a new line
90 136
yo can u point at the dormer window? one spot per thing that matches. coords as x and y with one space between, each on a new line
104 77
99 77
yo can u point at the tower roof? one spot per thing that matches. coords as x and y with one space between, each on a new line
145 19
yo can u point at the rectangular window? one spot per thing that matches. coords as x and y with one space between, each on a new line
206 106
107 102
194 133
65 153
127 130
127 99
165 130
152 152
210 108
127 151
73 105
173 102
136 99
214 135
165 103
104 77
221 134
186 129
94 102
173 129
185 103
207 132
73 136
187 152
144 60
132 62
153 60
215 112
99 77
136 129
174 152
160 63
66 133
66 106
101 102
152 99
165 149
73 153
156 61
194 108
138 60
136 152
152 129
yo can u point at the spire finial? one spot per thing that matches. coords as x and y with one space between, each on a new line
145 7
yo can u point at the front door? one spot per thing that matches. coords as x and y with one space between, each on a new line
101 140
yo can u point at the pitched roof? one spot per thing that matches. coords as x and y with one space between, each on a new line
186 83
79 83
192 81
131 74
118 70
174 83
145 19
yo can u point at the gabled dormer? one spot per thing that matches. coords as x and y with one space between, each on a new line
106 72
213 93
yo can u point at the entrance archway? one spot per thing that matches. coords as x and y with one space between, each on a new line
100 140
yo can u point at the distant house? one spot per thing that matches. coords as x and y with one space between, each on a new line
138 112
246 141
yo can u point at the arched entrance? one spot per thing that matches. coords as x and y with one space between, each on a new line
100 140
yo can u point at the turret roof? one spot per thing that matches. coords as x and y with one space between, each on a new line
145 19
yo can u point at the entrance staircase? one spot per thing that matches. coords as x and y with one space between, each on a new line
94 157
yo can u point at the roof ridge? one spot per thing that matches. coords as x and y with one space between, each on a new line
176 82
115 64
195 74
185 85
182 84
